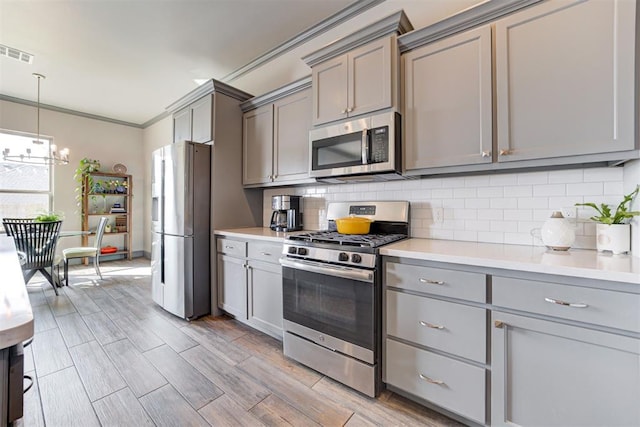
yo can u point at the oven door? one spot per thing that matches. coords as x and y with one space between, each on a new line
335 307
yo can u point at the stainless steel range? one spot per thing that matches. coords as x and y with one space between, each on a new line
332 294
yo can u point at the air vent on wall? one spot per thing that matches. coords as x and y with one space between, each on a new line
17 54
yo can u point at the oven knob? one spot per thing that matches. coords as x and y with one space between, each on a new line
292 249
343 256
356 258
302 251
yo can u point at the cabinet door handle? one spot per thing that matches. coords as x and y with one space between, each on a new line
228 247
486 153
343 111
265 254
505 152
274 177
350 109
430 380
431 325
566 304
431 282
498 324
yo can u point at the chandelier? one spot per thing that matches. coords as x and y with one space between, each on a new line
54 157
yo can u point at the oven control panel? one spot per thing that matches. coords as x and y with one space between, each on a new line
334 256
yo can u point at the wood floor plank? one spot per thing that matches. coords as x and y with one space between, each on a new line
371 409
43 318
196 388
138 309
274 411
103 328
98 374
50 353
276 358
64 401
171 335
295 393
80 300
121 409
74 330
173 319
36 296
235 383
136 370
32 409
168 408
225 350
228 328
29 365
225 412
60 304
358 421
142 337
421 414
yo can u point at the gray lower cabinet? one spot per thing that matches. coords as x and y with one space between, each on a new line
232 277
551 374
250 283
436 336
564 355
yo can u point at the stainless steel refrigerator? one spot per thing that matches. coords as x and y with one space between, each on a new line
180 216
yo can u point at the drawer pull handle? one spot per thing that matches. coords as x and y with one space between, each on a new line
228 247
431 325
432 282
567 304
265 254
431 380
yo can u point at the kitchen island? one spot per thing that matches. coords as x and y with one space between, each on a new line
16 326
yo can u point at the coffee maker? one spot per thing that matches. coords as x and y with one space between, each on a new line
287 213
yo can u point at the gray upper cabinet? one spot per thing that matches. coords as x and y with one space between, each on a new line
291 125
565 79
276 136
447 111
355 83
257 145
194 113
195 122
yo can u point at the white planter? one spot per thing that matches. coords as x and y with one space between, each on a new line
615 238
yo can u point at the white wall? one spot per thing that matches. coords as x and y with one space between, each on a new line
155 136
110 143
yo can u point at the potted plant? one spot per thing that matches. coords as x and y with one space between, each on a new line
613 231
48 217
85 167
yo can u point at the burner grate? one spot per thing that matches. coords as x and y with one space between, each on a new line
363 240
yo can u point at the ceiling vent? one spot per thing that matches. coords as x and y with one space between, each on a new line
17 54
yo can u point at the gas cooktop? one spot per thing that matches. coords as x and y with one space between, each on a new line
361 240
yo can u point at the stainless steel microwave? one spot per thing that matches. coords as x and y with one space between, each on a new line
368 145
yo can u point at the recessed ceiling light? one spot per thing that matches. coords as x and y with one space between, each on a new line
200 81
17 54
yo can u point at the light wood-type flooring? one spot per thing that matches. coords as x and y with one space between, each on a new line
104 354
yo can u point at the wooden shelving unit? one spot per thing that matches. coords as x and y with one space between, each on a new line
100 191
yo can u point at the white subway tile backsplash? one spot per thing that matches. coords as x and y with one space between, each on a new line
497 208
585 189
549 190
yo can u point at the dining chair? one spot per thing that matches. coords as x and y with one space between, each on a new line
86 251
37 241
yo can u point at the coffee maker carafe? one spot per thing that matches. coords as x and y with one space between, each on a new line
287 213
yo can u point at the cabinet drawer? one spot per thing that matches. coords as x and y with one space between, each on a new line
598 306
437 281
455 328
264 251
232 247
419 372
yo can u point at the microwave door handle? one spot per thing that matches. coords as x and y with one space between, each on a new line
365 146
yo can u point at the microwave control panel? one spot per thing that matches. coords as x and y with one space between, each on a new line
379 151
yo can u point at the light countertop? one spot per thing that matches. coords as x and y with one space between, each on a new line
258 233
575 263
16 316
580 263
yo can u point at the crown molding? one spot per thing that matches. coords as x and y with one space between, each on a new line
205 89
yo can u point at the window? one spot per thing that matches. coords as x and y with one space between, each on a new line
26 189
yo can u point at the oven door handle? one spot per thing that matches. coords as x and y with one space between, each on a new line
331 270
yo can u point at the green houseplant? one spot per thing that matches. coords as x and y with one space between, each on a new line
613 231
48 217
85 167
